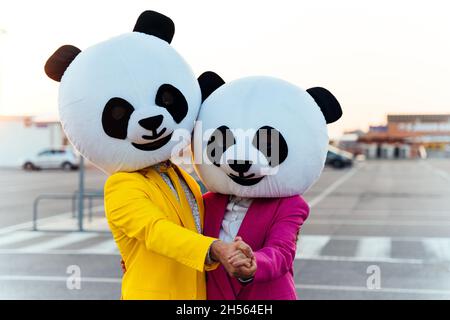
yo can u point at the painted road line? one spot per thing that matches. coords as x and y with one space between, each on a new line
298 286
440 248
29 224
334 186
374 247
107 247
443 174
56 252
311 245
393 238
373 222
18 236
59 242
364 259
58 279
365 289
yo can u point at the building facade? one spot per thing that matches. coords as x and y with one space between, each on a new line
23 136
409 136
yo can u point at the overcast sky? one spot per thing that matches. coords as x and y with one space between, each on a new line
377 57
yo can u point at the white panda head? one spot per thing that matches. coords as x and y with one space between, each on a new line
128 102
262 136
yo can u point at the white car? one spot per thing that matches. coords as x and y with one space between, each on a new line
53 159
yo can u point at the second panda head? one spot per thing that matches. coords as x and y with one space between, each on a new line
262 136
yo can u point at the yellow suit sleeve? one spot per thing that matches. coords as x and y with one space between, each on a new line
129 208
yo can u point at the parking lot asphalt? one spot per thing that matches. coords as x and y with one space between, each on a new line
379 230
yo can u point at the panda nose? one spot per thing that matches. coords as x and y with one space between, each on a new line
151 123
240 166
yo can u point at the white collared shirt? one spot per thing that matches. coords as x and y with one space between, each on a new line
237 208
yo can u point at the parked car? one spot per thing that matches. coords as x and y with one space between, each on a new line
338 158
52 159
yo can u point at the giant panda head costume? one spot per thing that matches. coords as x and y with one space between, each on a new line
128 102
262 136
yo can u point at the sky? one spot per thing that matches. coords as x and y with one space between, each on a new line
377 57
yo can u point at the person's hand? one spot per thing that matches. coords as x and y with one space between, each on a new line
246 272
122 264
246 267
235 251
239 258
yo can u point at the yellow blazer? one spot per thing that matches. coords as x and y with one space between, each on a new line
156 235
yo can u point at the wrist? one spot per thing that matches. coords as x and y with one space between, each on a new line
215 250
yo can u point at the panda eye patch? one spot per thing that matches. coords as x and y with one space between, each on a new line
173 101
271 143
118 112
221 139
167 98
115 117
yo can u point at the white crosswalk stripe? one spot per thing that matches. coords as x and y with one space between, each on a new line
61 241
371 249
55 243
439 247
309 247
374 247
106 246
15 237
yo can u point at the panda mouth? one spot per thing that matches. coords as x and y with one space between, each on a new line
154 135
245 180
154 145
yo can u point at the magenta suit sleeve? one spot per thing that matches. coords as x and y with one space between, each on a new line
277 256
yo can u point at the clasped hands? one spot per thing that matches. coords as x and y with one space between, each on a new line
237 258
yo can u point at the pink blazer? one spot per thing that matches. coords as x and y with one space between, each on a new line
270 227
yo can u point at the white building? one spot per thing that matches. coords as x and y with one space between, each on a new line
23 136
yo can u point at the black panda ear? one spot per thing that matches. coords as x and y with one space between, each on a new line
328 103
155 24
209 82
59 61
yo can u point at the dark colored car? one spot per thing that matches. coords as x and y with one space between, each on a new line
337 158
